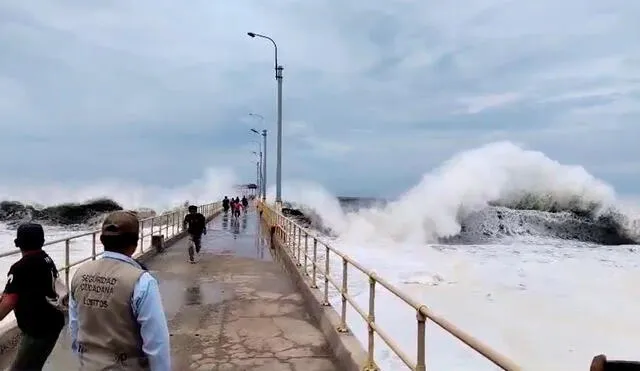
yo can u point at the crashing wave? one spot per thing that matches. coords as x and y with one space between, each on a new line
535 216
90 213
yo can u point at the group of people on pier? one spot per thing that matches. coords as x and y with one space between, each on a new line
236 205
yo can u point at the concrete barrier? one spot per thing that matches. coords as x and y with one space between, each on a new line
10 338
345 346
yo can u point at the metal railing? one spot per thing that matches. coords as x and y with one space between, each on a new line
303 246
168 224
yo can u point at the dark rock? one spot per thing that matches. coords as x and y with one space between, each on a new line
13 212
528 217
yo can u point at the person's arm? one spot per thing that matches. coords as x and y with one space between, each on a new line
10 295
73 323
7 304
184 222
147 306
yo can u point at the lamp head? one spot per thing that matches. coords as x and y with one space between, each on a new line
251 34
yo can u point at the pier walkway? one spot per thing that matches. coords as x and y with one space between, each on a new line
236 309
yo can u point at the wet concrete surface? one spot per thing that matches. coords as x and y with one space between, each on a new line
235 309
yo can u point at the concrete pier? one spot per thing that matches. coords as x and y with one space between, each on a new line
235 309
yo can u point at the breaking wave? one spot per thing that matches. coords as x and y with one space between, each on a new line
84 204
492 192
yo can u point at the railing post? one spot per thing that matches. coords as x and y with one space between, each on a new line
326 276
291 244
306 252
343 314
289 235
299 263
142 237
421 359
370 321
314 284
93 246
292 234
66 262
166 227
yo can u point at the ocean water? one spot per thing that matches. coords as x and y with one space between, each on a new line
544 304
548 304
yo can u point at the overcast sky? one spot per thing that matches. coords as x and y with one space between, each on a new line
375 92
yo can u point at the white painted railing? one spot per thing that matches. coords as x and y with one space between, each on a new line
314 258
69 252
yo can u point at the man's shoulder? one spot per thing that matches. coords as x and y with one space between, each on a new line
15 267
25 262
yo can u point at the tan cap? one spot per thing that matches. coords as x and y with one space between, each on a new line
120 222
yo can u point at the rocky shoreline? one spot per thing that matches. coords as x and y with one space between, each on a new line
89 213
498 222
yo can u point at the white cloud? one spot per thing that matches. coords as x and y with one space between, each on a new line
484 102
375 85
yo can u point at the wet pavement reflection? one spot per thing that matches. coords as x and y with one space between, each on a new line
186 288
237 236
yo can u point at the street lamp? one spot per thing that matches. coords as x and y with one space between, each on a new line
278 69
264 158
258 177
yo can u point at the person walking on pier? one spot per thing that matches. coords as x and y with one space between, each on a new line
30 293
225 204
116 318
196 225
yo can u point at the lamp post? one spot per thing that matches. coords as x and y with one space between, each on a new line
278 70
263 182
258 177
259 154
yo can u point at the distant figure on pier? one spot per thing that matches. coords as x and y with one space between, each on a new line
225 204
235 208
245 203
116 318
31 295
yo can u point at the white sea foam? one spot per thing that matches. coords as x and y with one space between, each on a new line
547 304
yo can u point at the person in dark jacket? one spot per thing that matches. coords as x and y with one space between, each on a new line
245 203
30 293
225 204
196 225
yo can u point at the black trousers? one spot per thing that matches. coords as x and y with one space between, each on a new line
197 240
33 352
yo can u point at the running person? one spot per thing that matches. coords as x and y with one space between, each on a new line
245 203
236 209
225 204
196 225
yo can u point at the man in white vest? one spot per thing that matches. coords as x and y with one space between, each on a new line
116 318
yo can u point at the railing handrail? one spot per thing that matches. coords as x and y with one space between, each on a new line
422 311
175 227
17 251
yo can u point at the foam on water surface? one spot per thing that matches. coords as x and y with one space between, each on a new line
546 307
548 304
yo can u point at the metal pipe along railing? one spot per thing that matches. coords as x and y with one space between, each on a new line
167 224
295 239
